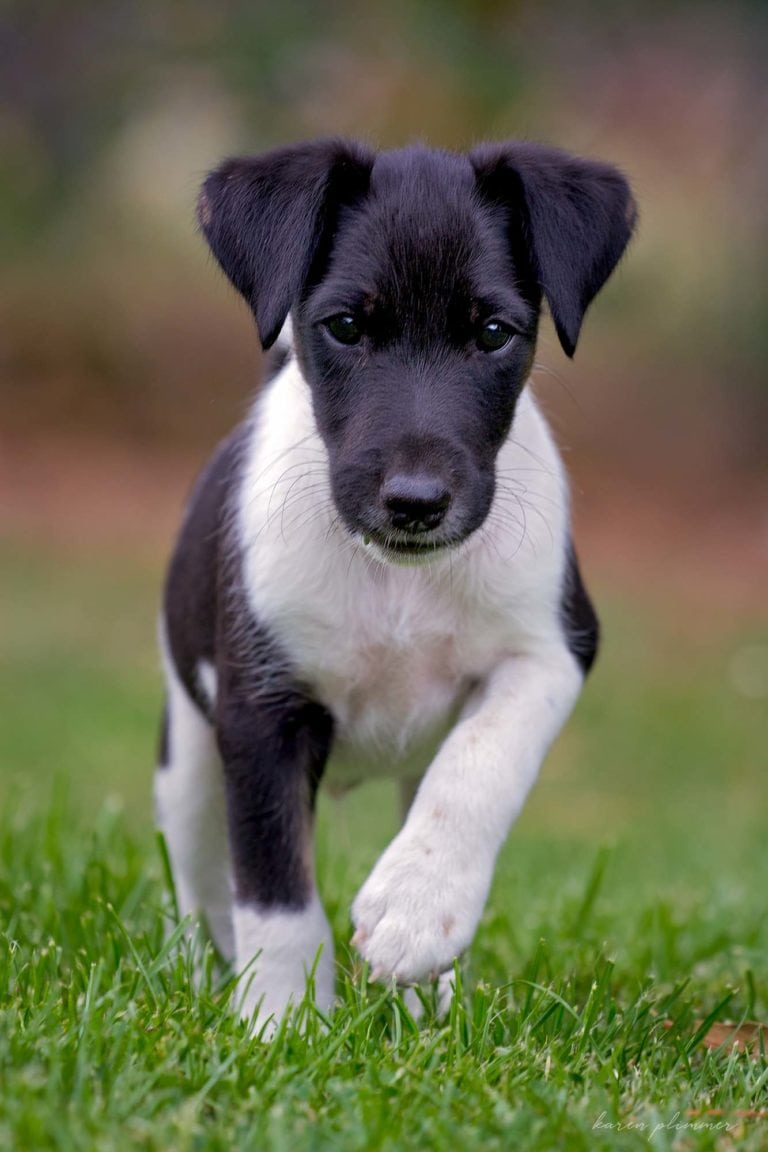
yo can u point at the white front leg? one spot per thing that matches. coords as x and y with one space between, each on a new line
421 905
276 950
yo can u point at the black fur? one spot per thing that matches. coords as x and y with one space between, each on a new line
582 628
577 216
191 598
273 759
265 218
421 264
278 357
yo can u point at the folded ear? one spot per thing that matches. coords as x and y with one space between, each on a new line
577 217
264 218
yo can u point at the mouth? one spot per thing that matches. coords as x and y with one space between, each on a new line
396 550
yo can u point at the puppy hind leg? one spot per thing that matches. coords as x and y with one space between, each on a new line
190 805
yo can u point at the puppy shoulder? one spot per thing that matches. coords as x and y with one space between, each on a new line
191 593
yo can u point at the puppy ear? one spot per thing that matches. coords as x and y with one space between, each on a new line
264 218
577 217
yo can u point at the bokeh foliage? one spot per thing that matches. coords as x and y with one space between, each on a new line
110 112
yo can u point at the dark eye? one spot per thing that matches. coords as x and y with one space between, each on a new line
344 329
493 336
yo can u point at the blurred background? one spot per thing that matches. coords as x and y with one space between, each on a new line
124 356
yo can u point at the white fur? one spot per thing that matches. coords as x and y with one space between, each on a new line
398 653
206 681
189 798
276 950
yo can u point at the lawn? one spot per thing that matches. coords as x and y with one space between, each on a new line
628 914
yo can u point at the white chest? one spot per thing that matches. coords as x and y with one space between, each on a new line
387 652
392 707
390 681
392 652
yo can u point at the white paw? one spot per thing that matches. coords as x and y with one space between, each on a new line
277 950
263 1005
419 908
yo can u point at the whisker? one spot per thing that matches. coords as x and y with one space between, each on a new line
305 516
545 370
513 473
306 470
298 496
287 498
291 448
534 456
523 491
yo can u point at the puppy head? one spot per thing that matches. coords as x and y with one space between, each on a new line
416 279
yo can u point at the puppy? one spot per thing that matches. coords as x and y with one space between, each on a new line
375 573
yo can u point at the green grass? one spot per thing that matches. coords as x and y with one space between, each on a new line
631 894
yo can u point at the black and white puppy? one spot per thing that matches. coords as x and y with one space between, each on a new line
375 573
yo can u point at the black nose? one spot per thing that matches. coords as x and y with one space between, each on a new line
415 503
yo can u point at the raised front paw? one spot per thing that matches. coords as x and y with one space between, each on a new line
419 908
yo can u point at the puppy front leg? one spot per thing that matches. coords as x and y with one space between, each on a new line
420 907
273 756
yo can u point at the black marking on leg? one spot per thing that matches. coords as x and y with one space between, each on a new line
270 757
582 628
